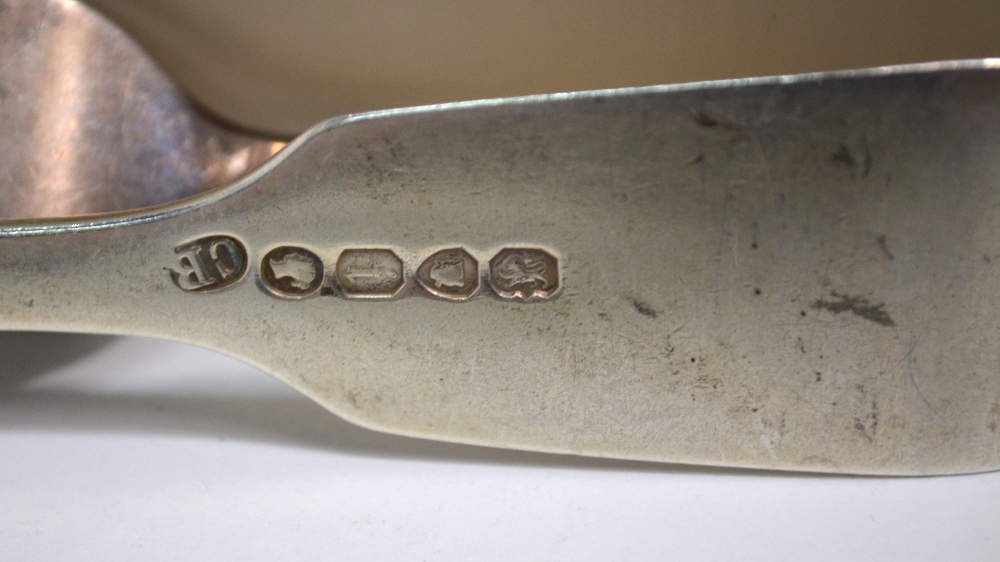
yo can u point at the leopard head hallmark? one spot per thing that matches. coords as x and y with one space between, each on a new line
450 274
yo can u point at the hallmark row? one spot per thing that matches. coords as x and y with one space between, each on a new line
294 272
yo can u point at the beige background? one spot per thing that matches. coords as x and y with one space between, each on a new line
283 65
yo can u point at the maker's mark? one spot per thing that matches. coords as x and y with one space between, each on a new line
209 263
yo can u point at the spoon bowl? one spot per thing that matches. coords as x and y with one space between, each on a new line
91 125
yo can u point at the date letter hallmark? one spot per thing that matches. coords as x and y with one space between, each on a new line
209 263
526 274
290 272
450 274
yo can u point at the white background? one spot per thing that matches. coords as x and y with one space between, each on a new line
134 449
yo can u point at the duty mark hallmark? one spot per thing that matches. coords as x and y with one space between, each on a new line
291 272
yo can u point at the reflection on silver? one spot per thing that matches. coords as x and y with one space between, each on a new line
92 125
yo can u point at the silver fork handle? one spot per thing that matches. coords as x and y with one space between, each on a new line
783 273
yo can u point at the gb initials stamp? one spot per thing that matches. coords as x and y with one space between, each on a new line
208 263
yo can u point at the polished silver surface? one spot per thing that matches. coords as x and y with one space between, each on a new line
793 273
91 125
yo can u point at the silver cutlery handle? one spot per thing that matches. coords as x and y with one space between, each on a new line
783 273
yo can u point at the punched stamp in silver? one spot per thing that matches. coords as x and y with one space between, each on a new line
525 274
450 274
375 273
208 263
291 272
